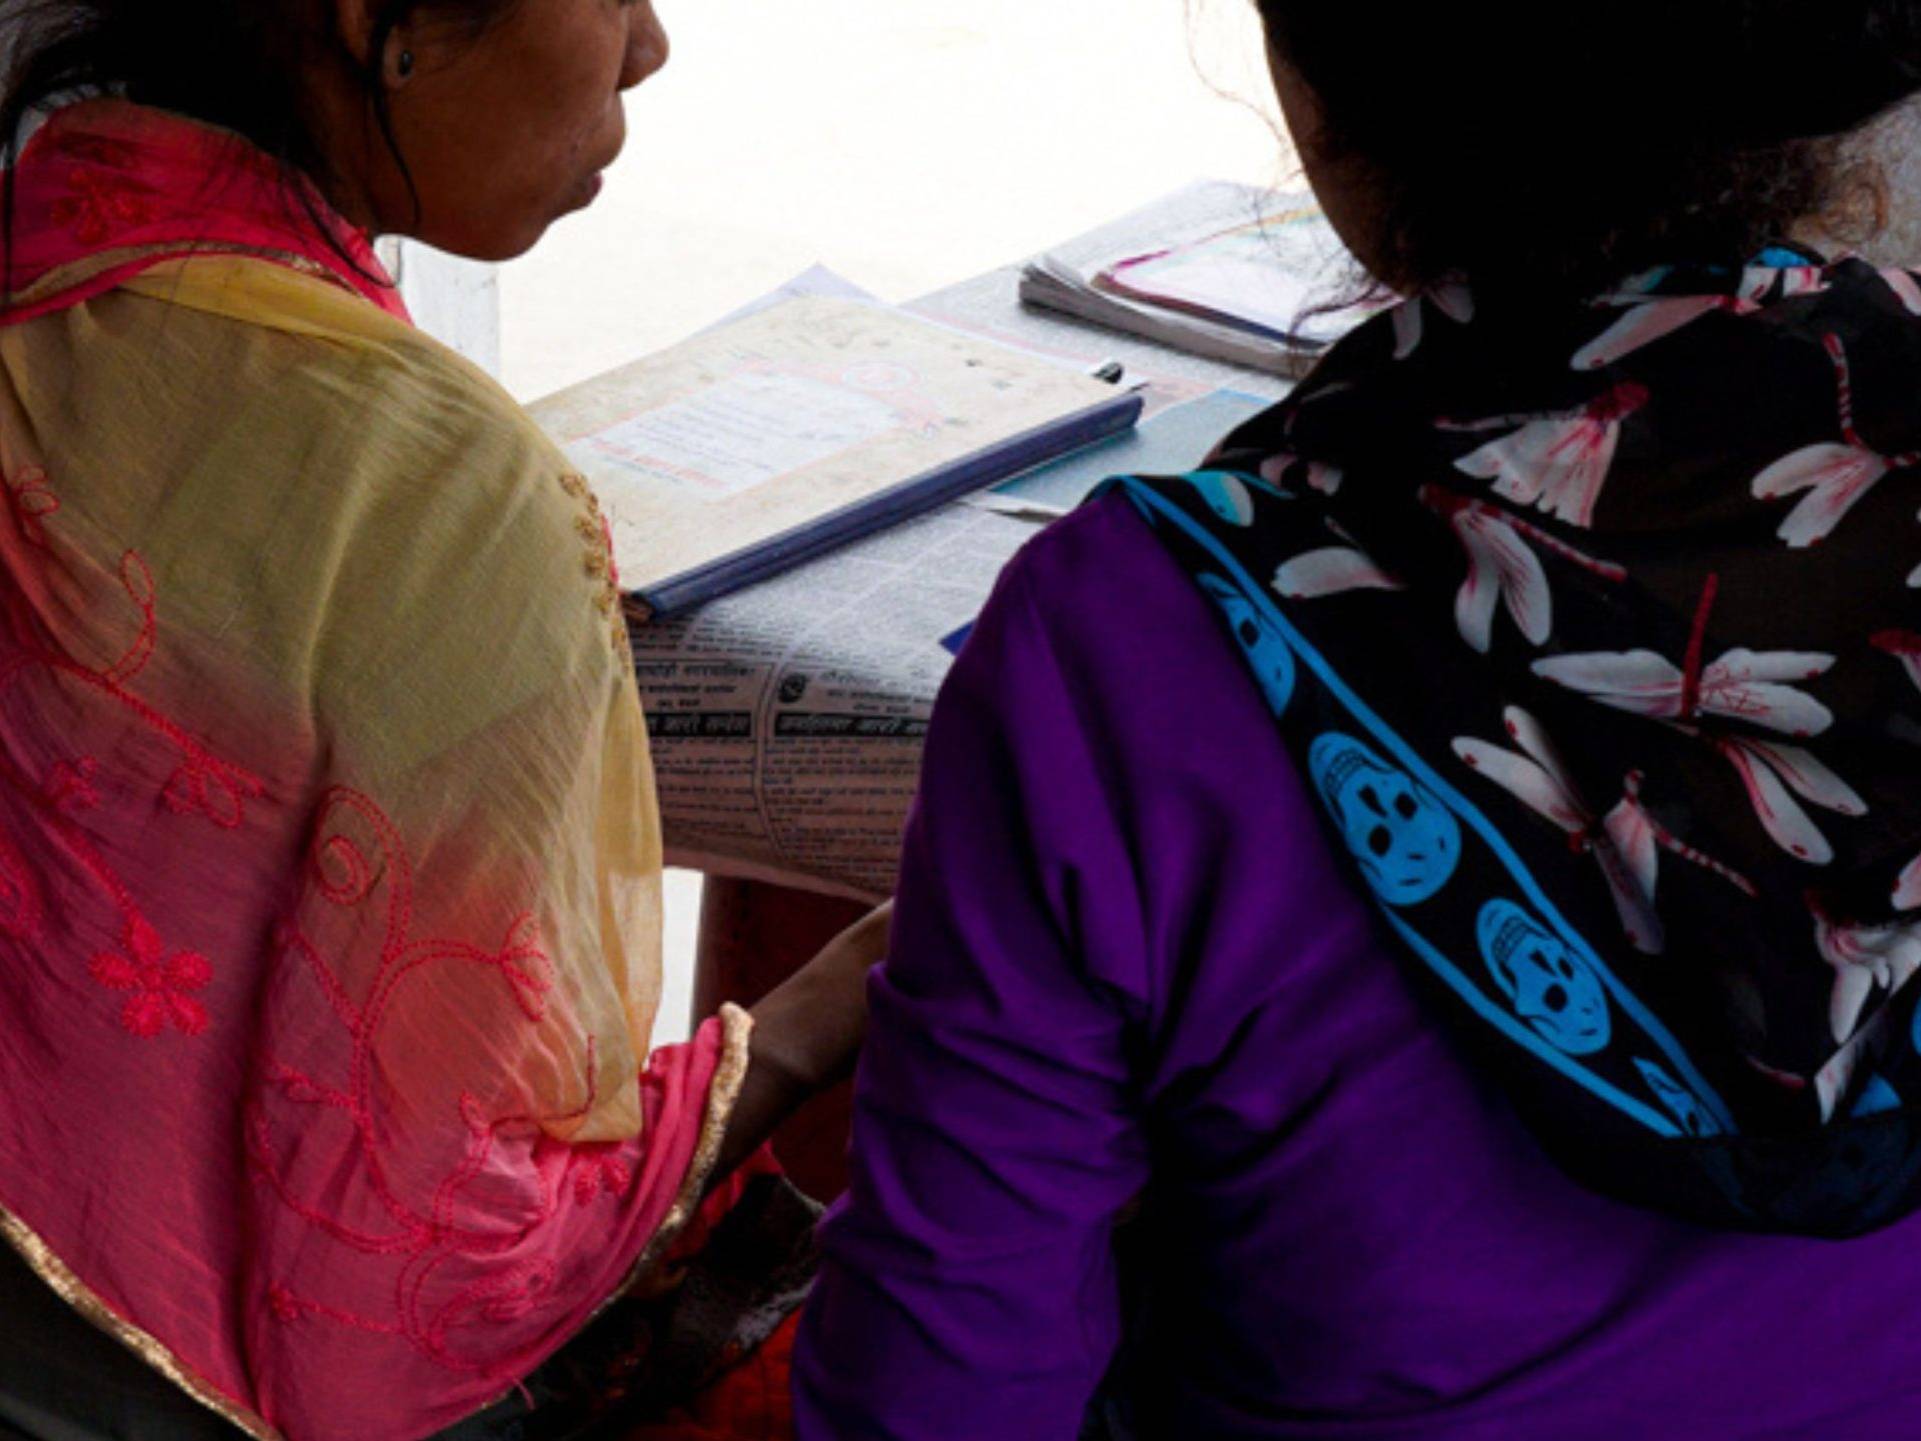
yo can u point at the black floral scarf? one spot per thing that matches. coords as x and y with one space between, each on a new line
1597 630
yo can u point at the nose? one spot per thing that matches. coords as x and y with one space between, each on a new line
647 47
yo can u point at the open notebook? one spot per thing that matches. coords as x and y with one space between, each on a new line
754 446
1249 277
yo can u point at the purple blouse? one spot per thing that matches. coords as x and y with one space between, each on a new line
1124 949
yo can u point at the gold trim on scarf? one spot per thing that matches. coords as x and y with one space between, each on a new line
77 1294
722 1092
78 272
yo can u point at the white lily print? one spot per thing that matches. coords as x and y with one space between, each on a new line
1865 958
1456 302
1743 685
1502 567
1904 646
1834 1080
1835 475
1653 319
1319 475
1747 685
1558 462
1796 279
1773 776
1786 1080
1907 889
1905 287
1226 495
1647 320
1332 570
1626 844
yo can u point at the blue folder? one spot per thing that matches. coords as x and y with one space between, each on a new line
982 469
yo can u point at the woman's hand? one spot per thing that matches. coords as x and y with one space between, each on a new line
807 1032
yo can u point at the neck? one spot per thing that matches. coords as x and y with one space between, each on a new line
352 155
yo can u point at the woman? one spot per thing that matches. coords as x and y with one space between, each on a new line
329 858
1513 731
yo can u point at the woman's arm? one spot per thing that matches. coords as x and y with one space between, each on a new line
807 1032
969 1287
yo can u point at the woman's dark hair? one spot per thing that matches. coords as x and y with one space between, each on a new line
238 64
1565 145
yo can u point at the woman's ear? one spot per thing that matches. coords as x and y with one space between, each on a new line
353 22
397 60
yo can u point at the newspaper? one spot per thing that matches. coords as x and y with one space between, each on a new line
787 721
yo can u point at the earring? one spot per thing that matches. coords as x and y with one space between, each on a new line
406 63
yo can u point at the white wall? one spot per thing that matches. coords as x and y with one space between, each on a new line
906 143
455 300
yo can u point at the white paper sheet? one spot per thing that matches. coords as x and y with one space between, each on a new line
739 433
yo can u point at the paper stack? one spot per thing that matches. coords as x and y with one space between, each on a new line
1237 274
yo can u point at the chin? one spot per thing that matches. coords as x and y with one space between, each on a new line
490 245
517 246
499 235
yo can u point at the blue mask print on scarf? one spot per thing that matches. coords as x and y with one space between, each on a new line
1408 844
1692 1115
1553 990
1266 651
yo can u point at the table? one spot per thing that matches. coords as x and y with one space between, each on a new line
797 821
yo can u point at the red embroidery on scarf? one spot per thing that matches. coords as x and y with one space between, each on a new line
31 501
599 1172
95 149
355 851
21 911
288 1307
161 982
70 786
99 205
161 986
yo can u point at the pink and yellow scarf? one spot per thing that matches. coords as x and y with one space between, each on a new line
329 856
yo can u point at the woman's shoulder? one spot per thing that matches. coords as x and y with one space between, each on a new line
1126 626
347 491
339 368
1096 611
1090 579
